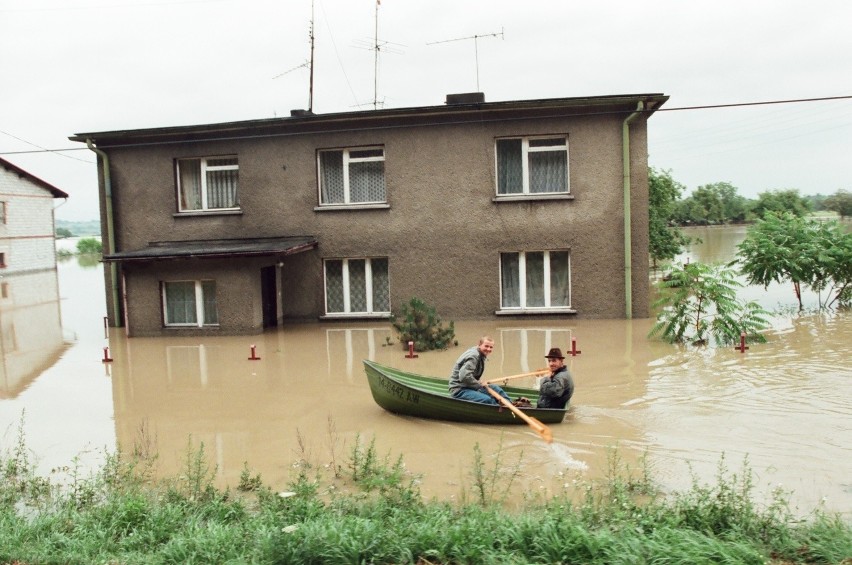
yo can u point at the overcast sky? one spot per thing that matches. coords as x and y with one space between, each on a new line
72 66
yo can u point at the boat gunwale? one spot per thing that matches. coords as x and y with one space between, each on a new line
391 373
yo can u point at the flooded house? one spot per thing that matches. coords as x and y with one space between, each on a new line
529 208
30 320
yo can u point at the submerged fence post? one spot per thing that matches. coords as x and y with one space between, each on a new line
742 346
574 351
254 356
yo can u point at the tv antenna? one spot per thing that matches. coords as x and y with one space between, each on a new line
309 64
475 39
377 46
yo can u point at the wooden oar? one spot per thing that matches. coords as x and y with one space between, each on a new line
531 374
537 426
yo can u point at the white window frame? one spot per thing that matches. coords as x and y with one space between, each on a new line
525 164
204 169
199 306
347 160
522 284
347 300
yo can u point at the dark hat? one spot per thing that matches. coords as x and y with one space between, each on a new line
554 353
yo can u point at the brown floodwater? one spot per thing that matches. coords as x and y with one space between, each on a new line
783 408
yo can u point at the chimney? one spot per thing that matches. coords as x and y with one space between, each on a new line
466 98
300 113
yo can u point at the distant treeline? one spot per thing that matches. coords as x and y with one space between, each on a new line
64 228
720 203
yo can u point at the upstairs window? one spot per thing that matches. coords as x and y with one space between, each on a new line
357 286
352 176
190 303
208 183
532 165
535 279
2 212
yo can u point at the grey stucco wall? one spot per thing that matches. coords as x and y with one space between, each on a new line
442 232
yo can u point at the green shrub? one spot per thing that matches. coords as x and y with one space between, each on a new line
418 322
89 245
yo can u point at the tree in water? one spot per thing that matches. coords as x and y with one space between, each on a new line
699 303
784 246
665 241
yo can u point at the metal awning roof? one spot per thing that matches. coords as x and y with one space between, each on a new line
216 248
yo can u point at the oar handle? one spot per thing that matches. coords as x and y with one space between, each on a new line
539 428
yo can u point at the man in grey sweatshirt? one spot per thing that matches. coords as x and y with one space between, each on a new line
464 381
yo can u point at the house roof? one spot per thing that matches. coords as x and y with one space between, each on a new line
32 178
217 248
458 109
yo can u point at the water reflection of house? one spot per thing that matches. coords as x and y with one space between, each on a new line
30 321
479 208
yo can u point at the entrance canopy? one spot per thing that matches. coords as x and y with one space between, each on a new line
216 249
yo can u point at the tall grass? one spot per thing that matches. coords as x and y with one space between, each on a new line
370 510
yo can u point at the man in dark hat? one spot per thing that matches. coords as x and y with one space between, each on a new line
555 390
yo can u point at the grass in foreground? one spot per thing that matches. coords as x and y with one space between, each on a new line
370 510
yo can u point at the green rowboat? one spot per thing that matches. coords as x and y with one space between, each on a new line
411 394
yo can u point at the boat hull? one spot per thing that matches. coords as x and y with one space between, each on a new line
411 394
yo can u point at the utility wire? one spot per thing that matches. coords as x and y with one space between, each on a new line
43 149
704 107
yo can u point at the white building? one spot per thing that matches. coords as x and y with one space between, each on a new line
26 221
30 321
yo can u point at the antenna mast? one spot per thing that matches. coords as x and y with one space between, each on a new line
309 64
311 67
475 39
376 45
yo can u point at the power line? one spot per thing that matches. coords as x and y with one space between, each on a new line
704 107
42 149
740 104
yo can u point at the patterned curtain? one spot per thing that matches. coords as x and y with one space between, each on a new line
367 181
535 279
190 184
222 184
357 285
510 279
381 286
211 312
509 166
331 177
559 279
548 172
180 303
334 286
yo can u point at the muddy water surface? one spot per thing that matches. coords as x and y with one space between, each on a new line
785 405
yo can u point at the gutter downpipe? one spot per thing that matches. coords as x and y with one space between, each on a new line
628 242
113 269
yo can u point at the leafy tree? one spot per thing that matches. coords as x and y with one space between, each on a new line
89 245
785 246
715 203
63 232
721 202
663 192
781 201
420 323
832 270
699 302
816 201
840 202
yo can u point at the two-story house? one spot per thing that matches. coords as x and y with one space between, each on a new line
482 209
